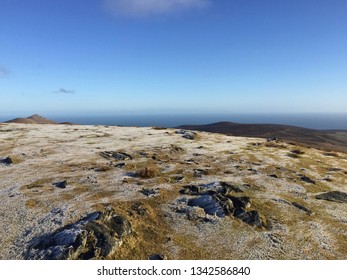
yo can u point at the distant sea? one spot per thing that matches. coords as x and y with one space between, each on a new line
315 121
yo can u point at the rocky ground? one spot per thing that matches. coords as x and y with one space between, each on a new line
81 192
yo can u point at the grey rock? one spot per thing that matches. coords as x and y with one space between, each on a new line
116 155
6 161
307 179
209 204
271 139
187 134
97 235
148 192
302 208
157 257
252 217
60 185
335 196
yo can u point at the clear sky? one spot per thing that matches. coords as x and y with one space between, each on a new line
172 56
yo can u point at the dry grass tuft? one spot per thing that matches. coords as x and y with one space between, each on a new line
147 172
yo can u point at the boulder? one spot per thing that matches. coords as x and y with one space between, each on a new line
187 134
96 236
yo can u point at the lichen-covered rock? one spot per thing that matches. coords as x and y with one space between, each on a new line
96 236
335 196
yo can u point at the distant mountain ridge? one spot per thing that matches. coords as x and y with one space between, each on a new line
335 140
34 119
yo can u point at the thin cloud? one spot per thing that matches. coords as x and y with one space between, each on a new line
142 8
64 91
4 71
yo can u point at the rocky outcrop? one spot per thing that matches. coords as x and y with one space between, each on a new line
217 199
96 236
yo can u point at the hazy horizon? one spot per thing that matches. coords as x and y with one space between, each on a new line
315 121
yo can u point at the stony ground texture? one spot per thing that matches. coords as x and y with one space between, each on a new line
58 174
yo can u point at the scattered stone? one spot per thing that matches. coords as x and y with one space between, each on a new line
96 236
6 161
200 172
307 179
335 196
252 170
190 161
334 169
61 185
282 201
139 208
252 217
187 134
148 192
271 139
120 165
273 176
328 179
302 208
157 257
116 155
178 178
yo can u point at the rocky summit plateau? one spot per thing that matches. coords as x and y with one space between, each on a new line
109 192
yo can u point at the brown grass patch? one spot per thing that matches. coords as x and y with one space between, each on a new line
147 172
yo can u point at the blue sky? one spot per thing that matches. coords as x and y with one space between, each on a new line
172 56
